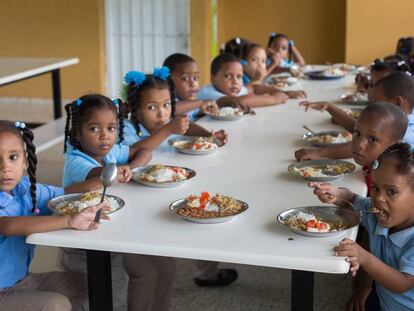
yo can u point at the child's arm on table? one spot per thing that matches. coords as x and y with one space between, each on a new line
342 151
251 101
197 130
178 125
338 115
25 225
93 180
261 89
185 106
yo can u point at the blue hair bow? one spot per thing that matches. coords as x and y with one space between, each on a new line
78 102
243 62
273 34
19 125
238 41
162 73
136 77
115 101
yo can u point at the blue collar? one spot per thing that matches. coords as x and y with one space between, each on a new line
20 190
400 238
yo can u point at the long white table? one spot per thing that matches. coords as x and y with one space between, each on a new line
13 69
251 167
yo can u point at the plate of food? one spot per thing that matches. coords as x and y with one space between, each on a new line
162 176
228 114
358 99
319 221
208 209
327 138
70 204
353 112
194 145
321 170
281 79
327 74
348 68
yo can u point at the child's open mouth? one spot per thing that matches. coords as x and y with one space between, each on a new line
382 215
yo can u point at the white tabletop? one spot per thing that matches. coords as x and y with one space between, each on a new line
13 68
252 167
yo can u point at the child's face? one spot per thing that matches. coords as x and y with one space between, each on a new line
12 161
99 133
393 195
154 108
281 46
186 81
370 139
256 60
229 79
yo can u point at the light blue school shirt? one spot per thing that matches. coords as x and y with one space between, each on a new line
395 249
209 92
78 164
131 136
15 253
246 79
409 133
193 114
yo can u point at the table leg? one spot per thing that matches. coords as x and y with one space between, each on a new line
302 290
99 280
57 98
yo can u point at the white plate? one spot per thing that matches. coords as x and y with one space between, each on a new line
136 173
174 206
323 213
55 202
191 151
307 136
321 163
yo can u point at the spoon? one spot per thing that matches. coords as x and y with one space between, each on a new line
108 176
352 205
308 129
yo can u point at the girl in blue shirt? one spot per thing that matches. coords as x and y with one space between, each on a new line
283 53
151 101
22 212
390 227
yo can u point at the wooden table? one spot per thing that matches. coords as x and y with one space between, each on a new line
13 70
251 167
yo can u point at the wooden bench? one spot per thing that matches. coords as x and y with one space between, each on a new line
49 134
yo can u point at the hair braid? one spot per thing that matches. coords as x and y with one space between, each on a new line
132 102
172 95
27 135
122 114
74 127
67 125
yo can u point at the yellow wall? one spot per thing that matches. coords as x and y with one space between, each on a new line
374 27
316 26
55 28
200 36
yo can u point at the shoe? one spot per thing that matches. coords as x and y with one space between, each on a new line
224 277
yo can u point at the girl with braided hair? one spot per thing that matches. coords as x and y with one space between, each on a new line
91 142
22 212
151 102
388 217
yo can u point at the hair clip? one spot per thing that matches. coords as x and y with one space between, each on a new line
238 41
243 62
115 101
78 102
20 125
136 77
273 34
375 165
162 73
291 42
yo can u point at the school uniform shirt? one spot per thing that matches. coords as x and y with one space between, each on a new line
192 115
394 249
78 164
15 253
246 79
209 92
409 133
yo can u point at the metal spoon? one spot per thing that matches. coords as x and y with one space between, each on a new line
308 129
352 205
108 176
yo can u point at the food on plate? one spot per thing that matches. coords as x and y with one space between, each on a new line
322 171
311 223
354 98
345 67
343 137
207 206
163 174
198 143
229 112
86 200
353 113
333 72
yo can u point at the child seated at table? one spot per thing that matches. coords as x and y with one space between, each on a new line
227 86
283 53
388 217
23 212
235 47
254 69
151 101
396 88
90 142
185 76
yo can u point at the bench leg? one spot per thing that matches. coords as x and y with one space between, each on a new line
302 290
99 280
57 98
